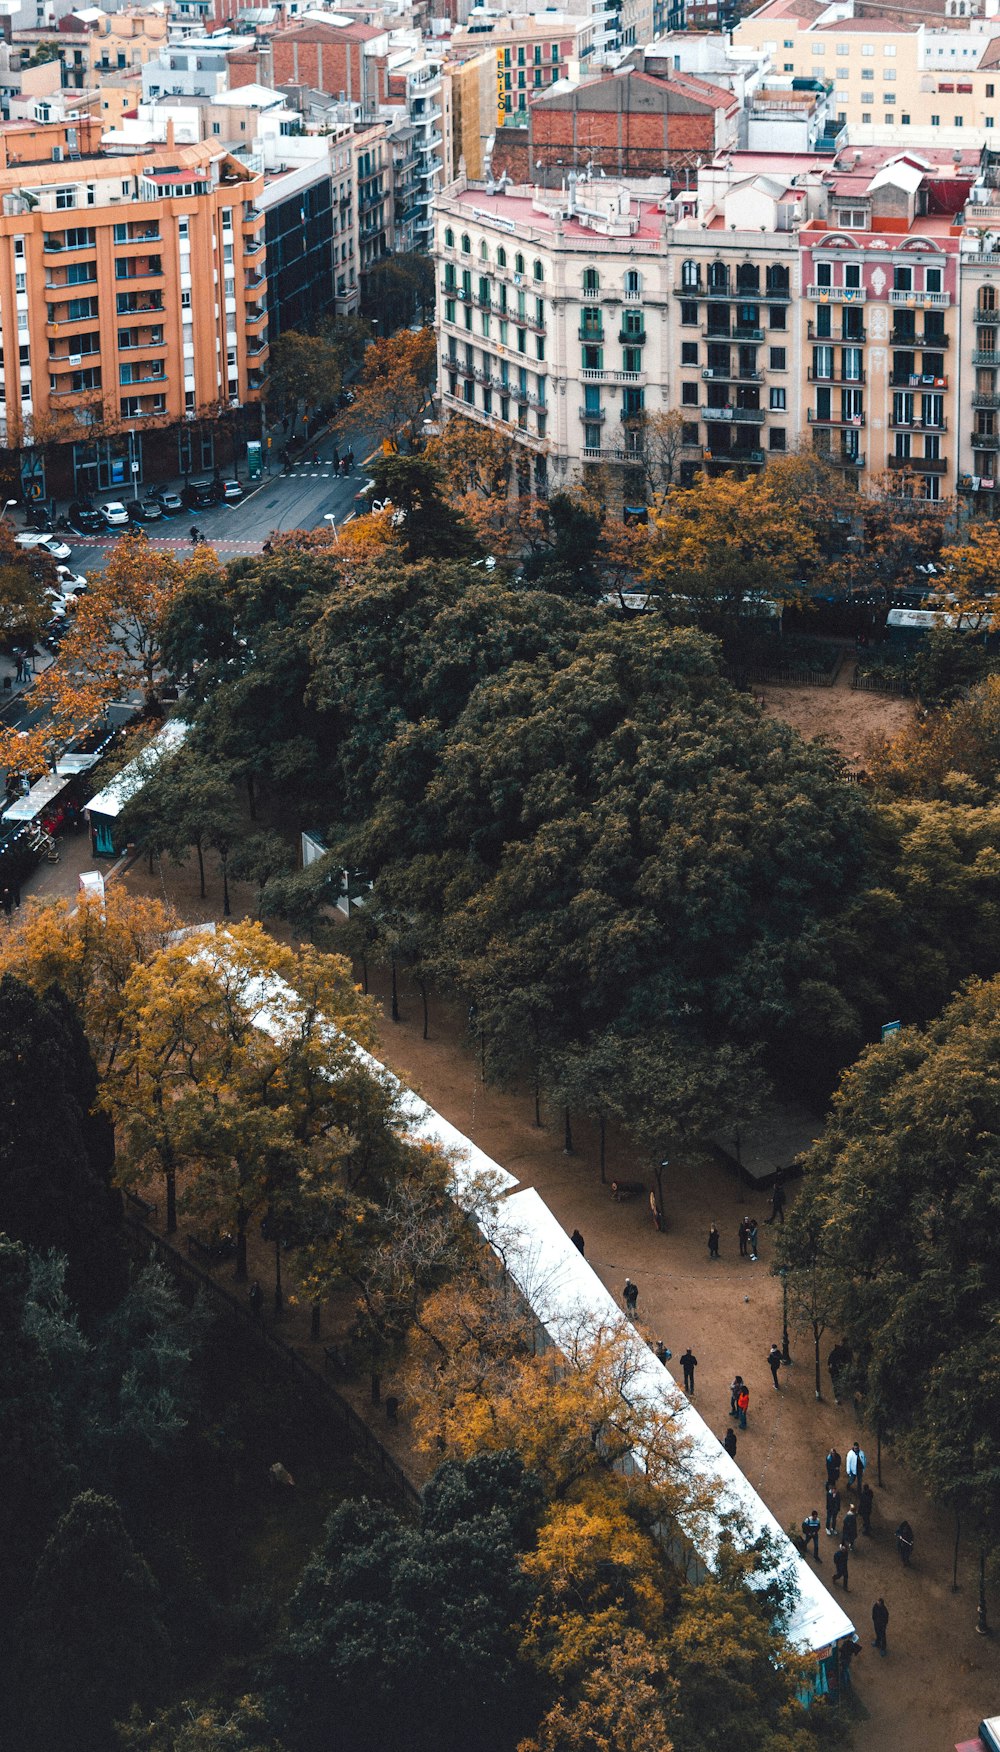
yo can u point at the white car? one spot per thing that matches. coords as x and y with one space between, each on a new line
114 514
58 606
70 583
47 544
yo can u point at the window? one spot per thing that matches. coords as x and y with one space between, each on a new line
776 358
888 74
867 49
824 274
852 275
776 316
776 438
449 237
689 352
866 116
689 314
484 254
466 243
689 433
519 264
819 48
538 271
183 228
633 283
889 51
777 399
788 67
65 198
501 257
689 395
843 48
987 121
905 119
690 274
935 121
789 43
902 279
932 279
958 121
591 280
867 72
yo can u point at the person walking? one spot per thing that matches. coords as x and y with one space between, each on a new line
689 1362
832 1508
577 1240
840 1567
734 1392
904 1542
849 1531
777 1203
743 1405
663 1355
774 1364
832 1466
880 1620
743 1236
752 1233
255 1297
855 1467
729 1443
810 1533
630 1296
866 1503
713 1242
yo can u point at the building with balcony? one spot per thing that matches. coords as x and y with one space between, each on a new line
776 303
416 83
111 358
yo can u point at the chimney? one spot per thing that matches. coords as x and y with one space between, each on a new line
170 132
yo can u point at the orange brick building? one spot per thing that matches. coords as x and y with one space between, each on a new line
339 59
133 294
630 124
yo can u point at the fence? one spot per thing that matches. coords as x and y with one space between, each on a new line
357 1433
791 676
881 681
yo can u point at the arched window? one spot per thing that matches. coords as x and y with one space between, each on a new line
633 283
987 297
718 277
591 280
501 257
466 245
449 237
484 254
690 274
747 277
519 264
539 271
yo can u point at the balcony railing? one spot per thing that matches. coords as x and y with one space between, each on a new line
922 300
613 376
725 374
628 339
816 419
933 465
833 376
920 343
594 336
918 425
982 357
593 416
985 398
985 440
743 416
836 294
751 335
846 459
841 340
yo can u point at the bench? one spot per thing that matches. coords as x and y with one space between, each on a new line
144 1206
213 1251
622 1190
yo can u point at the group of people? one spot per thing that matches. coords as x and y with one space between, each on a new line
860 1506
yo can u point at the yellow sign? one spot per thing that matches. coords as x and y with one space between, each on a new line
501 99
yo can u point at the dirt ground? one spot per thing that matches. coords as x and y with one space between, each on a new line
847 719
940 1678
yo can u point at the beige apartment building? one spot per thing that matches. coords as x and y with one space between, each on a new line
779 303
884 71
133 312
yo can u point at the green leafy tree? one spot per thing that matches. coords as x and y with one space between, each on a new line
37 1466
56 1151
900 1193
196 1726
430 526
91 1639
302 368
568 564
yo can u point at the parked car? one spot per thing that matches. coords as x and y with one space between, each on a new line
84 517
114 514
199 495
229 492
144 510
169 501
43 541
70 583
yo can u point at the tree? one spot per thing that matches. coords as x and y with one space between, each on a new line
189 800
568 563
661 440
405 1637
966 585
946 664
38 1469
88 949
91 1639
952 754
259 858
400 291
901 1189
724 548
25 573
194 1726
430 528
393 388
471 458
56 1154
115 645
302 369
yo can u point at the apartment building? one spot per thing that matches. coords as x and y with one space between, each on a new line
531 52
133 305
469 93
415 82
348 60
92 41
782 300
372 176
886 70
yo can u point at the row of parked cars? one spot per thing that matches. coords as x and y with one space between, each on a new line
86 518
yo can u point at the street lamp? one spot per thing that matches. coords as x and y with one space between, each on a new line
328 517
783 1274
7 507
